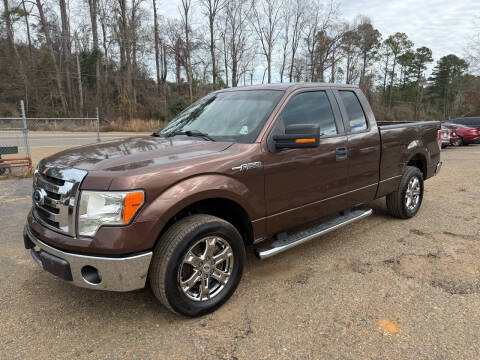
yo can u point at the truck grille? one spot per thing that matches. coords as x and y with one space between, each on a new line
55 195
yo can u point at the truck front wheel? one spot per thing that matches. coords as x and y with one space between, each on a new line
405 202
197 265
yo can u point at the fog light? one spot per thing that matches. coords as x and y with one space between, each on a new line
91 275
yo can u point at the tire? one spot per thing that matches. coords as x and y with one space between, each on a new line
397 202
459 142
170 266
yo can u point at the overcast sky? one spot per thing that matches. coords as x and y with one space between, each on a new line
444 26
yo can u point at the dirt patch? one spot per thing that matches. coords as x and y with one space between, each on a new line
361 267
418 232
457 275
388 326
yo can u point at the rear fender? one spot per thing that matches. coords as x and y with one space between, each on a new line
419 158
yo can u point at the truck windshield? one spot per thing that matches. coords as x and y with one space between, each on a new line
231 116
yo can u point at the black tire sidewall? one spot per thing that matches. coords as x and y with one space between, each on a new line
175 296
413 172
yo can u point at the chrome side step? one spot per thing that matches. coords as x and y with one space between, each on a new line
284 242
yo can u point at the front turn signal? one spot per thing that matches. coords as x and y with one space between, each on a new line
133 202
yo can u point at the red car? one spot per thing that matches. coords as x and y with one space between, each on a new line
466 135
447 136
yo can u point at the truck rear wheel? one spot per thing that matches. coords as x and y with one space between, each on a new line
405 202
197 265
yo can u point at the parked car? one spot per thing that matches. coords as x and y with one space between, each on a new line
241 166
448 137
467 135
467 121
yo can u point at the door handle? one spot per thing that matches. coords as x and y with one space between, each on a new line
341 154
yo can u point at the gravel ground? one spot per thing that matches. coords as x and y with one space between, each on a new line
379 288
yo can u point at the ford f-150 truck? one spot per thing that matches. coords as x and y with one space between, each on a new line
270 166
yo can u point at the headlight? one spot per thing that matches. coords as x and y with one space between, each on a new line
99 208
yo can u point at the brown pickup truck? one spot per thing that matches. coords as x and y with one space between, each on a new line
270 166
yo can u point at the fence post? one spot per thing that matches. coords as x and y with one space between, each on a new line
98 126
25 129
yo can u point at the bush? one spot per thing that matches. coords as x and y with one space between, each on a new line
177 106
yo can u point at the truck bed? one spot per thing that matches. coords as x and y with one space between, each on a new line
403 143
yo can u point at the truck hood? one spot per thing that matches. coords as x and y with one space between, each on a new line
135 153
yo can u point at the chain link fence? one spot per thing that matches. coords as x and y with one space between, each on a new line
25 140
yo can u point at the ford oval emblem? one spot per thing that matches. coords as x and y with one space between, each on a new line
39 197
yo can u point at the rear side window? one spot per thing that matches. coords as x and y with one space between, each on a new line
310 108
356 116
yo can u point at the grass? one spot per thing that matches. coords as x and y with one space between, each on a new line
90 125
134 125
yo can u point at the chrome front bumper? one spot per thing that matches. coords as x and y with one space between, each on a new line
115 273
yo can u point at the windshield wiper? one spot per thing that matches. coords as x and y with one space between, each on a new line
191 133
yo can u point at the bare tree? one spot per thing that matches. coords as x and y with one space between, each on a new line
48 39
11 39
320 20
298 24
186 14
105 14
124 49
66 47
385 55
176 46
368 45
93 4
266 17
211 10
285 36
68 56
351 53
223 36
134 26
157 43
327 51
79 74
237 14
473 51
27 26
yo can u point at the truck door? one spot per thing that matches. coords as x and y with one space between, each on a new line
305 184
363 145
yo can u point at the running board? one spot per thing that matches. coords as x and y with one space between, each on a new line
284 242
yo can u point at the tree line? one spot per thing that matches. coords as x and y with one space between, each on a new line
68 57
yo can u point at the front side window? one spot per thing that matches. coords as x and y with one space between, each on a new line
311 107
355 113
231 116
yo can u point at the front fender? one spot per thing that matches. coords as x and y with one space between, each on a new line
194 189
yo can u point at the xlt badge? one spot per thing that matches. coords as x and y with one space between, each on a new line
248 166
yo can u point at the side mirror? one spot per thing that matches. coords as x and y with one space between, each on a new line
298 136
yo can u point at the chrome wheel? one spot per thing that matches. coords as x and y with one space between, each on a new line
412 194
206 268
